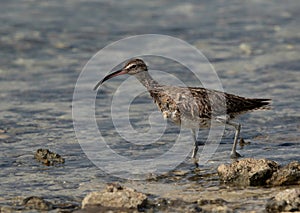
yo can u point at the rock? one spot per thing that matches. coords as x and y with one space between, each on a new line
37 203
247 172
48 158
258 172
287 200
116 196
287 175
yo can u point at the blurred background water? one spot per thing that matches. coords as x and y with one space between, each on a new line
253 46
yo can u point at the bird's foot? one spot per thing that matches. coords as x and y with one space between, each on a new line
195 161
235 155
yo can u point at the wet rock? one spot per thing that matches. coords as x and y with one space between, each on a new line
48 158
116 196
40 204
287 200
37 203
247 172
287 175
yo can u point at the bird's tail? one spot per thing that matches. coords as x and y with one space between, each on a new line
261 103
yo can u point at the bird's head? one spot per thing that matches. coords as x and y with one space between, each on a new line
132 67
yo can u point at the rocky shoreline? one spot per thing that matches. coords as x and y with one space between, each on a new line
241 183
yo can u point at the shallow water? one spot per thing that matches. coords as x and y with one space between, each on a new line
253 46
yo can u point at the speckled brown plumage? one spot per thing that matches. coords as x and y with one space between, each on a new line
200 103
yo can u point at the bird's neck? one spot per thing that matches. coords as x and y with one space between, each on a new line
146 79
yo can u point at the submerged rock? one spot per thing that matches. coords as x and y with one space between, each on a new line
116 196
287 200
287 175
37 203
40 204
248 172
48 158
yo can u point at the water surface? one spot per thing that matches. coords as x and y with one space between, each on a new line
253 46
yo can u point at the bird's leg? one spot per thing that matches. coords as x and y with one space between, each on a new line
195 150
237 126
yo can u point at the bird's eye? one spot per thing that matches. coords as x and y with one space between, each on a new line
133 66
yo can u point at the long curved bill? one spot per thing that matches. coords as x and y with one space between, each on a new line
114 74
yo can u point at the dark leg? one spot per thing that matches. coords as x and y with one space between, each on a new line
195 150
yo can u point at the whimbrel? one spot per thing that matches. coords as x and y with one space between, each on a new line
192 107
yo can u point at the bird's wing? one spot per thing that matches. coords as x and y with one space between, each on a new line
222 103
190 103
196 102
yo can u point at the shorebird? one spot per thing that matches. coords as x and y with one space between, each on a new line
192 107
